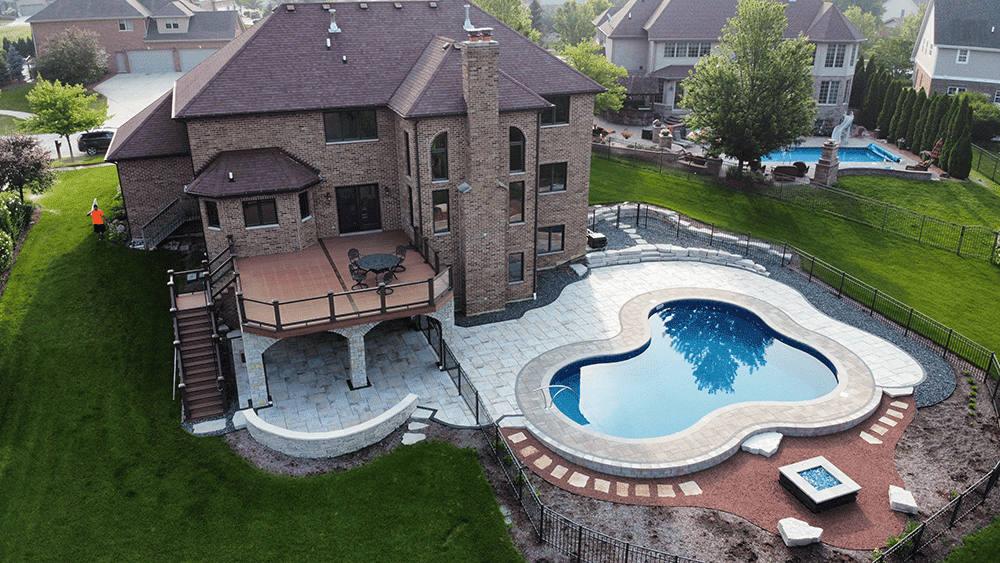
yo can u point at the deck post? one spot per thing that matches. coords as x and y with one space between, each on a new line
329 297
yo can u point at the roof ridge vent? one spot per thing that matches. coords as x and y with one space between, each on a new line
433 4
398 5
363 5
468 24
290 7
333 22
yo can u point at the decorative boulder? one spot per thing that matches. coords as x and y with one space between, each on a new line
765 443
902 500
796 532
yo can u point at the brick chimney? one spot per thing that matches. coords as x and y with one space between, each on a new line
483 249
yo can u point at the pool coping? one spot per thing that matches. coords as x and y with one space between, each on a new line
718 435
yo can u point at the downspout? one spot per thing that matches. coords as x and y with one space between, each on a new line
534 236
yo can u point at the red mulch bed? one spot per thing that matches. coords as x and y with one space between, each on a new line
747 484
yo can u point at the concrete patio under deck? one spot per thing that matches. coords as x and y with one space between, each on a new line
302 282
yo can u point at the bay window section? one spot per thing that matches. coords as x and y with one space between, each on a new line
260 213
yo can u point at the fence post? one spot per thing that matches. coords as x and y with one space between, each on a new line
579 542
783 248
811 268
638 211
922 221
947 343
678 234
627 546
885 216
993 360
748 243
711 235
477 402
277 314
840 290
329 297
954 515
871 313
961 237
618 216
916 540
993 480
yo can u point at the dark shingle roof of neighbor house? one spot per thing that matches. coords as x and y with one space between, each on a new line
383 56
75 10
703 20
204 26
967 23
149 133
254 172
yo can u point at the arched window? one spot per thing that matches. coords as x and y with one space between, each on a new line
516 150
439 157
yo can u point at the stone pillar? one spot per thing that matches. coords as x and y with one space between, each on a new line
253 348
828 165
355 335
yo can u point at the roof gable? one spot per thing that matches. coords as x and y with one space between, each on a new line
630 19
74 10
831 25
967 23
150 133
377 59
202 26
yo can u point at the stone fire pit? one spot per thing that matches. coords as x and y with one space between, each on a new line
818 484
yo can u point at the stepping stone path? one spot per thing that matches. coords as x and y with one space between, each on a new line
547 463
886 422
412 437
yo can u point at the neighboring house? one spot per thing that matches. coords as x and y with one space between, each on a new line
664 39
958 48
26 8
144 36
893 11
357 118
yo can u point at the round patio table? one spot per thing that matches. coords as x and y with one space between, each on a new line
378 263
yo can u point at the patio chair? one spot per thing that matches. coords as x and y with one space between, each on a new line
384 282
353 255
802 167
359 275
401 254
922 167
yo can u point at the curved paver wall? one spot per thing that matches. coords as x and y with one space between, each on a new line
334 443
668 252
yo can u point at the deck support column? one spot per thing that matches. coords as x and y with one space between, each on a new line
253 348
359 369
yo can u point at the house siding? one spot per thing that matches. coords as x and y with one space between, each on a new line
149 185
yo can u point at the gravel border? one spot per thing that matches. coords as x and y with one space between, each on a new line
938 385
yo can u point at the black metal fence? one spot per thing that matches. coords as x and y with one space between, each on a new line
986 163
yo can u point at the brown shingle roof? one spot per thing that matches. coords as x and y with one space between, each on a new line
254 171
630 19
203 26
74 10
282 63
149 133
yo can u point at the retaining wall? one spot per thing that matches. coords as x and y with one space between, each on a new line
333 443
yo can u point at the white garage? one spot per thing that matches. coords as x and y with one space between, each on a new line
150 62
191 57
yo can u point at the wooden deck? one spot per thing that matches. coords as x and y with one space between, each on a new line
313 287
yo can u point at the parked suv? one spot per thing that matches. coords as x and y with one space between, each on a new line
95 141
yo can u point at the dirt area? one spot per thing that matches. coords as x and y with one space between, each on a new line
943 450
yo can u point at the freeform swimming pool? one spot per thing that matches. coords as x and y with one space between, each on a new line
871 153
717 435
702 355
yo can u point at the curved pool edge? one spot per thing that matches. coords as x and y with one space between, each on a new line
718 435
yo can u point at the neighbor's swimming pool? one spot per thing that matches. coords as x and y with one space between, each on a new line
703 355
871 153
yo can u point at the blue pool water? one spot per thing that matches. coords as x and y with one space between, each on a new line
703 355
871 153
819 478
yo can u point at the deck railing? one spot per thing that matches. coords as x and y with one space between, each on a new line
333 307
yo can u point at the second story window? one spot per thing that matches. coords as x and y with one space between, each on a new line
552 177
516 202
556 115
172 23
356 125
835 55
212 214
124 25
516 150
442 219
304 212
406 149
439 157
963 57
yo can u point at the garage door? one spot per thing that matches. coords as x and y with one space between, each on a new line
146 62
191 57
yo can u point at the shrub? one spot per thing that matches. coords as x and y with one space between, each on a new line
117 237
6 251
19 212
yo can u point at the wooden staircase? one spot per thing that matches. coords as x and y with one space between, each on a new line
202 383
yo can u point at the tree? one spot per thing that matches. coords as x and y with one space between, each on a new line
960 151
874 96
894 49
985 117
63 110
535 10
947 130
73 56
889 102
755 93
574 22
868 24
14 64
586 58
873 7
920 124
513 13
24 164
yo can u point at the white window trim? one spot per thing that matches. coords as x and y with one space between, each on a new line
996 97
958 57
124 25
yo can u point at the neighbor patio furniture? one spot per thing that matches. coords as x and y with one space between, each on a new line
401 254
784 173
359 275
921 167
801 167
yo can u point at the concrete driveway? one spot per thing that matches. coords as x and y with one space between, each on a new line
127 95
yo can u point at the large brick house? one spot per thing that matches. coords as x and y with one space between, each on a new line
144 36
958 48
664 39
325 121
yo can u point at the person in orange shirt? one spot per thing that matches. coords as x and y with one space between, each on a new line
98 217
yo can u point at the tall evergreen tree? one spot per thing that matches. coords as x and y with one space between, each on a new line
859 85
873 99
936 130
947 130
902 103
892 95
916 111
960 158
925 115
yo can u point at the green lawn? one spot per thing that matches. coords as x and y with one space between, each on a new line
959 292
95 466
9 125
980 547
14 33
15 98
965 203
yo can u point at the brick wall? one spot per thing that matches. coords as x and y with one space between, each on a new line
149 185
291 234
